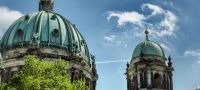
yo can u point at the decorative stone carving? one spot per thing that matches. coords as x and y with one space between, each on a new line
35 40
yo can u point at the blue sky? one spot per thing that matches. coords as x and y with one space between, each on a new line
112 29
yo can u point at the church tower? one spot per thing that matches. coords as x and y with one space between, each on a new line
148 68
48 36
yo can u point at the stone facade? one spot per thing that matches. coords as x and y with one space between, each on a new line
147 73
78 68
149 69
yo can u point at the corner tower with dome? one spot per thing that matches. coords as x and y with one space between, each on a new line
49 36
148 68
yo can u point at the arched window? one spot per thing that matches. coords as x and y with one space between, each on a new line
135 83
53 17
72 74
18 36
26 17
164 81
141 79
145 78
152 80
157 80
55 37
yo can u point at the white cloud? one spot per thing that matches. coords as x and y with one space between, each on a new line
165 47
114 40
169 23
7 17
161 23
156 9
164 27
127 17
193 53
110 38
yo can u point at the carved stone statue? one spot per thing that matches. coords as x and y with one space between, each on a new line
35 39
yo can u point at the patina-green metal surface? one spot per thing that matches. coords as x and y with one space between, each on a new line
148 48
44 29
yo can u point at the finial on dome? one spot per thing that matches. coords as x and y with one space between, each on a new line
46 5
146 33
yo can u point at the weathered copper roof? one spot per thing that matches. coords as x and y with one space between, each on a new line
44 29
148 48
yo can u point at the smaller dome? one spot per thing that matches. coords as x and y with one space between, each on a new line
148 48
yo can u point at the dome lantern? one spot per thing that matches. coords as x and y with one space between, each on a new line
46 5
148 48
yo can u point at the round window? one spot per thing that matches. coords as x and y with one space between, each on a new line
53 17
20 32
55 32
26 17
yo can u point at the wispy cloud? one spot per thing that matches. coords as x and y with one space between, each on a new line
155 9
165 47
113 40
193 53
127 17
7 17
110 38
164 27
161 22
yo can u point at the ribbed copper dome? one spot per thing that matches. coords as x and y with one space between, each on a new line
44 29
148 48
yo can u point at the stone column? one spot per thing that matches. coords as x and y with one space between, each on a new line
0 78
138 79
171 81
164 81
128 81
149 78
152 80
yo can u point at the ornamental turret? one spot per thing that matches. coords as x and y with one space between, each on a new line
147 69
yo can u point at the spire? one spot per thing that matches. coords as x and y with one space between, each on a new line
169 61
146 33
127 64
46 5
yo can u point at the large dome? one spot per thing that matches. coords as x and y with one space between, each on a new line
44 29
48 36
148 48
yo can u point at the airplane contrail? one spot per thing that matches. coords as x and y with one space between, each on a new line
125 60
117 61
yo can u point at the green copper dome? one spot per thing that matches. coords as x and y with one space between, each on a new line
44 29
148 48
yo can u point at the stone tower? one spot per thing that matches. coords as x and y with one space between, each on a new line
148 68
49 36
